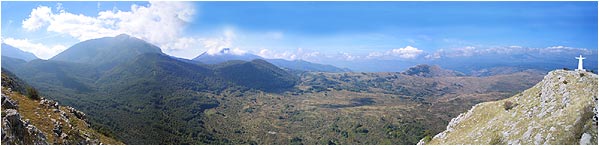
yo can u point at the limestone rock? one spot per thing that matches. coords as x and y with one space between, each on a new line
561 109
78 114
8 103
49 103
17 131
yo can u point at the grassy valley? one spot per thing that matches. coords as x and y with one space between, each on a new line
343 113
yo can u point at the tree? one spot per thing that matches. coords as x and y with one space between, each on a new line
32 93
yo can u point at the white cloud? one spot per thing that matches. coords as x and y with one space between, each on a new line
297 54
40 50
59 8
374 54
407 52
562 49
237 51
349 57
435 55
472 51
215 45
465 51
39 17
160 23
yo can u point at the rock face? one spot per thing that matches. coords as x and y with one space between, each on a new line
17 131
561 109
7 103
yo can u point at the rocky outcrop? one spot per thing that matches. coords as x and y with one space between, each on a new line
56 124
49 103
78 114
74 135
18 131
7 103
561 109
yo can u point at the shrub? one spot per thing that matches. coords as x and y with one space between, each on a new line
507 105
497 140
427 138
361 130
581 74
32 93
296 141
565 82
566 68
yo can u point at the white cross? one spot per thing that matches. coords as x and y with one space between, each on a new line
580 58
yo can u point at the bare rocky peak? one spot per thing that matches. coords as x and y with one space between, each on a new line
561 109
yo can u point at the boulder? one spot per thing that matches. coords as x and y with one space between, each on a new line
7 103
17 131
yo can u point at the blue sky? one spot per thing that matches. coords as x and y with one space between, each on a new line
307 30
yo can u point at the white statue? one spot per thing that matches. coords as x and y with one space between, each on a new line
580 58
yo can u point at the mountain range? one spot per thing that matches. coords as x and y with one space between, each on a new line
299 65
479 63
135 82
139 95
8 50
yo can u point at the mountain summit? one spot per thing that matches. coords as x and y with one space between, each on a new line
223 56
561 109
227 54
106 52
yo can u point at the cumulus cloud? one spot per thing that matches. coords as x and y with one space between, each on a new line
40 50
39 17
407 52
297 54
215 45
160 23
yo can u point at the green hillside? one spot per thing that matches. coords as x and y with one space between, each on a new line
257 74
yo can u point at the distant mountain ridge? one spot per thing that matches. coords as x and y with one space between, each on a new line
10 51
224 55
300 65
